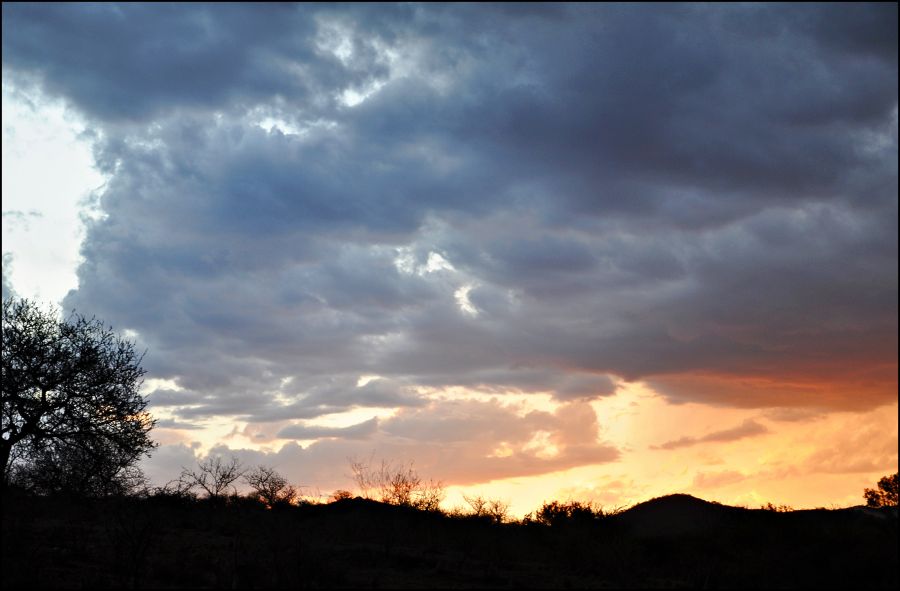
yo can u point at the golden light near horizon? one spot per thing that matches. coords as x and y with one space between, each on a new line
778 464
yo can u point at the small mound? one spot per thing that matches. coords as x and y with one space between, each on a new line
675 515
355 505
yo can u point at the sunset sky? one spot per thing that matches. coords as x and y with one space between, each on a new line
600 252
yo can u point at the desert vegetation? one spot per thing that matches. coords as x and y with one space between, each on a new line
198 531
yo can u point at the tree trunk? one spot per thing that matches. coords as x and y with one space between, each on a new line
5 450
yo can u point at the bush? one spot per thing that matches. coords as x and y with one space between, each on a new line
397 485
340 495
494 510
777 508
556 513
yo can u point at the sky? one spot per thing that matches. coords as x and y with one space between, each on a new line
595 252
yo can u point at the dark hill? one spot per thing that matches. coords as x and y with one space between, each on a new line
676 515
674 541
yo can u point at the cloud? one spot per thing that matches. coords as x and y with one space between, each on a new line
457 442
166 461
305 399
358 431
713 211
842 386
172 424
794 415
865 443
583 387
748 428
14 218
127 62
8 291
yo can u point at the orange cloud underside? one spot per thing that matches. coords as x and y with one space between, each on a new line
855 388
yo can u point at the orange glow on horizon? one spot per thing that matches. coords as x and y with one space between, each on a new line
803 458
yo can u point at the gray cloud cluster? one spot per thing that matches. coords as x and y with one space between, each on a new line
308 432
527 198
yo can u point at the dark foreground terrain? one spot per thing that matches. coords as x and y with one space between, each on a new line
675 541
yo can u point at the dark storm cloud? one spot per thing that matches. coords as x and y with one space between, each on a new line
134 61
848 28
530 200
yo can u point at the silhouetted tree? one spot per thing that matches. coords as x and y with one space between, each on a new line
71 413
213 475
270 487
886 493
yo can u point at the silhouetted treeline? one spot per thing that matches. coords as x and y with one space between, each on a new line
172 540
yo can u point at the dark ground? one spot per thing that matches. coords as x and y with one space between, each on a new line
671 542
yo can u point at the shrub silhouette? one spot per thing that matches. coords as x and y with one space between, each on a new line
270 487
340 495
886 493
556 513
777 508
494 510
397 485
